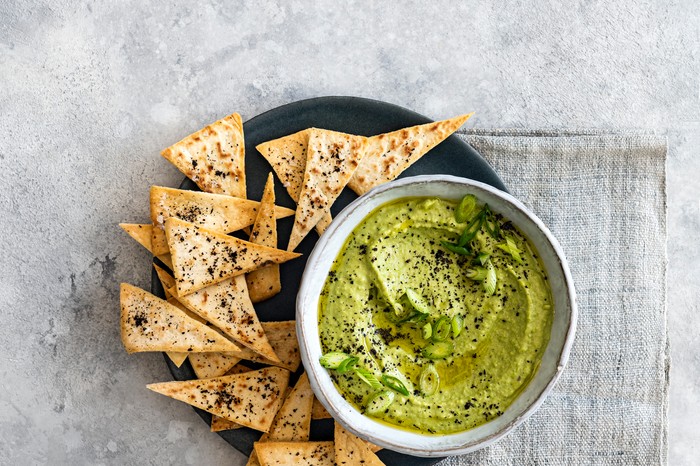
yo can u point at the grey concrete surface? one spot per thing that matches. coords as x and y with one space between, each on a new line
90 92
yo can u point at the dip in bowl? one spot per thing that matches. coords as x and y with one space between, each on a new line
431 333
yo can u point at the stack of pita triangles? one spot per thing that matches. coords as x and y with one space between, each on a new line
316 164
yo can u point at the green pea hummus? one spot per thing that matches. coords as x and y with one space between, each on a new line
501 337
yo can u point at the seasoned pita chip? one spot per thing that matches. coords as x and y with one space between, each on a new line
215 212
166 280
293 421
202 257
218 424
319 411
226 305
250 399
331 160
208 365
177 358
351 450
389 154
282 337
295 453
150 324
265 283
142 234
213 157
287 156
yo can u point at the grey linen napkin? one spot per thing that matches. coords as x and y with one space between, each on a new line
603 196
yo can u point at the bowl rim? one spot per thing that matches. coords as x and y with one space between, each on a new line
308 278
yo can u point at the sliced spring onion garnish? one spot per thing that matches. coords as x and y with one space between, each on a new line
490 223
457 325
334 359
418 317
379 402
427 331
471 230
490 280
455 248
441 329
347 365
482 258
477 274
511 248
395 384
438 350
465 208
367 377
429 380
417 301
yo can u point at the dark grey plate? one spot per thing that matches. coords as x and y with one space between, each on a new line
352 115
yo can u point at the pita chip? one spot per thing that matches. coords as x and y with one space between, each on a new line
331 160
265 283
319 411
142 233
227 305
165 278
293 420
213 157
202 257
150 324
282 337
295 453
351 450
250 399
215 212
287 157
389 154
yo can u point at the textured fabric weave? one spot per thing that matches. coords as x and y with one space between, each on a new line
603 196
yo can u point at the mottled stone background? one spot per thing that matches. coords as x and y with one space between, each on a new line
90 92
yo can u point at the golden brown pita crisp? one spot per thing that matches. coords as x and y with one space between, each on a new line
207 365
142 233
166 280
287 156
265 283
293 420
295 453
282 337
202 257
351 450
250 399
213 157
150 324
226 305
389 154
319 411
331 159
215 212
218 423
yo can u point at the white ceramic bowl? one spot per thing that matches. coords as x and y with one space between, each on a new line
553 361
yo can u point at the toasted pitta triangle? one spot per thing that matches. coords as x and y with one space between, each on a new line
265 283
351 450
202 257
331 160
389 154
287 156
319 411
150 324
226 305
293 421
213 157
218 423
215 212
282 337
295 453
166 279
250 399
140 232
